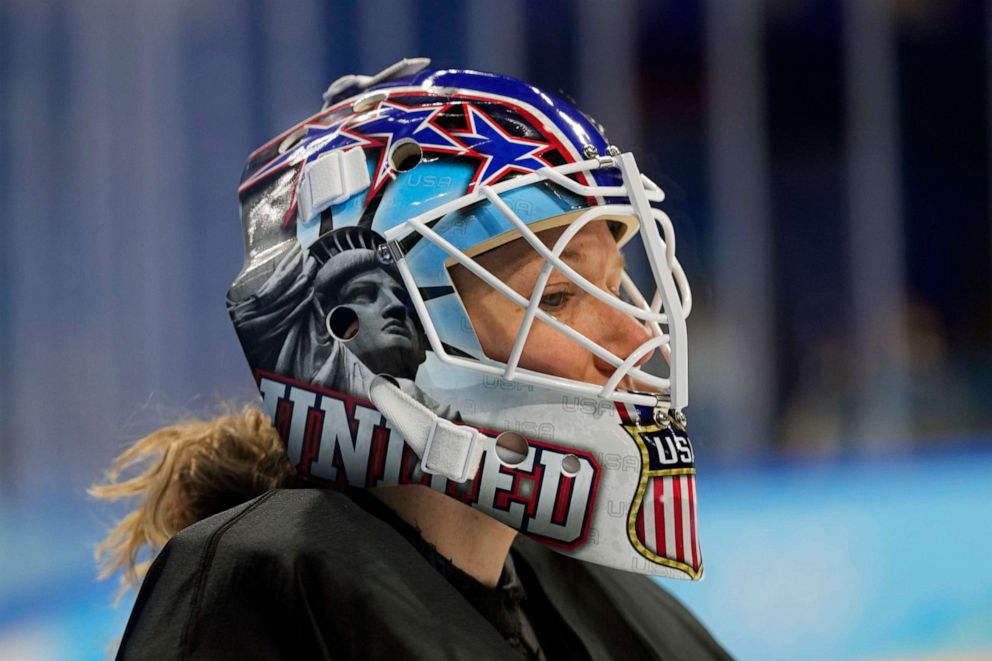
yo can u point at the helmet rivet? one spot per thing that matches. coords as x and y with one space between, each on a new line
613 151
589 151
383 254
661 418
680 418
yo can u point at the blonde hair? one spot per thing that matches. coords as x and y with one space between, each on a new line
191 470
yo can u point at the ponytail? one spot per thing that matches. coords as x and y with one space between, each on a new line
191 470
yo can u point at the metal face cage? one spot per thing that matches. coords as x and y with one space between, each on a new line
663 315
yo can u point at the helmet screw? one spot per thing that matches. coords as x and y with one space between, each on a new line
383 254
613 151
680 418
589 151
661 417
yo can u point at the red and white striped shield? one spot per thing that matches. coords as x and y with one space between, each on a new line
662 519
665 521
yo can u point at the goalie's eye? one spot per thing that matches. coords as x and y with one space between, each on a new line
555 300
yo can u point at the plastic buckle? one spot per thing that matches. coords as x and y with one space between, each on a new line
450 436
330 179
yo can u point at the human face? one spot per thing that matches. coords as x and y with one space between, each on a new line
594 254
389 341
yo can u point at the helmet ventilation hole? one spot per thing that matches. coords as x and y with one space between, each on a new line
342 323
511 448
292 140
405 155
570 465
369 101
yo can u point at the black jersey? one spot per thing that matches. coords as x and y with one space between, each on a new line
312 574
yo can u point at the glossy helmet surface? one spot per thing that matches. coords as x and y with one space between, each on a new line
421 214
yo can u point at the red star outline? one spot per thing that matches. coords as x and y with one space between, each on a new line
471 111
384 171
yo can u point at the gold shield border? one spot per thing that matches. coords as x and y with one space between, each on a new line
642 485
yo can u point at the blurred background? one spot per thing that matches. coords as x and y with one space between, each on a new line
827 164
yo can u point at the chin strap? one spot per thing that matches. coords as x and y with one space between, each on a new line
444 448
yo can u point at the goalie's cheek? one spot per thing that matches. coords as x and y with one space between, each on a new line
612 330
549 350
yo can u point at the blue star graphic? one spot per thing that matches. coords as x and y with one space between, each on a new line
394 122
500 152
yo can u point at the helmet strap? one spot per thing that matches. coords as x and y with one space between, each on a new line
444 447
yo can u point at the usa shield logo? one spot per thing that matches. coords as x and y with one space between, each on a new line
662 519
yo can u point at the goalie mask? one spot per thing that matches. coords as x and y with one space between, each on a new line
452 279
